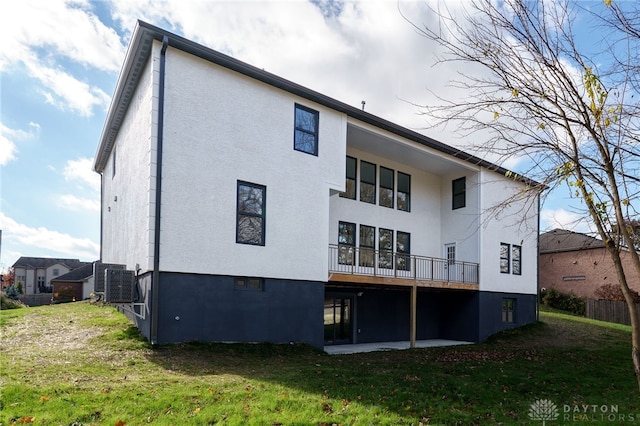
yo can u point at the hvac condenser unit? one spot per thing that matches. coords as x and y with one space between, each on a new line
98 274
120 286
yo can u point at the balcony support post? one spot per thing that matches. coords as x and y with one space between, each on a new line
414 297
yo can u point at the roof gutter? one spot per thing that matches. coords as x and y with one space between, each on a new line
155 282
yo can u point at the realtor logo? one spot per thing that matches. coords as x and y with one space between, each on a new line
543 410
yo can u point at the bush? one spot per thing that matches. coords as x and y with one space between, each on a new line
7 303
614 292
12 292
566 302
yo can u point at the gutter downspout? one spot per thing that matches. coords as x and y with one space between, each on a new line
155 282
538 269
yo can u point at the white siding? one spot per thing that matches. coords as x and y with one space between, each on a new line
127 204
221 127
515 223
461 226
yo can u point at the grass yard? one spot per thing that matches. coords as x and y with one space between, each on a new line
84 364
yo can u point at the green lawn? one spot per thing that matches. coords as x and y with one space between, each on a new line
83 364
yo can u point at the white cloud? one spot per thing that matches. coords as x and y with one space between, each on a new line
55 32
564 219
71 202
81 170
8 147
47 242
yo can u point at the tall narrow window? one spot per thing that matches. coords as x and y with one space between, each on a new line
459 190
346 243
350 184
404 192
367 182
251 213
385 247
504 258
508 310
113 162
386 187
305 136
516 262
403 247
367 245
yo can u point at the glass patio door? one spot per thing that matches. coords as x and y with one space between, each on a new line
337 320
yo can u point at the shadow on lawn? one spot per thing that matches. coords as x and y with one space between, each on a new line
417 384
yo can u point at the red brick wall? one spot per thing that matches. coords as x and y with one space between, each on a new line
595 265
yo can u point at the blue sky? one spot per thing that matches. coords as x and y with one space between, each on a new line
59 62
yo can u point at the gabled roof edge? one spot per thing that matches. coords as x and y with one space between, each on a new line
140 47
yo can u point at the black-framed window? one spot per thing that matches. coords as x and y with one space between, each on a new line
459 193
385 248
386 187
305 138
508 310
505 259
249 283
346 242
350 184
251 213
404 192
113 162
367 182
403 248
516 260
367 245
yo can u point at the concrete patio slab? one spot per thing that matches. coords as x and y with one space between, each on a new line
388 346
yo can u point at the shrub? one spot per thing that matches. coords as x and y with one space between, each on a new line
566 302
614 292
7 303
12 292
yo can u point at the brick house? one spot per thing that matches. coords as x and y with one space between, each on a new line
571 262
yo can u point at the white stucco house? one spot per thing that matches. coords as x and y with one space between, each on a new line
251 209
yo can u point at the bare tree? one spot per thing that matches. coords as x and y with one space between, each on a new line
567 111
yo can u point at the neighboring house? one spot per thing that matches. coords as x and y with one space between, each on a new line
36 273
74 285
253 209
576 263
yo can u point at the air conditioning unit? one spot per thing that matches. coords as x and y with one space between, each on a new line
98 274
120 286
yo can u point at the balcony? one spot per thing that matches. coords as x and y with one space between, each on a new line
368 266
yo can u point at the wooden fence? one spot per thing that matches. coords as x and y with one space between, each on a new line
608 310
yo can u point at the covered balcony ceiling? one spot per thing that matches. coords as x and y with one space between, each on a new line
404 151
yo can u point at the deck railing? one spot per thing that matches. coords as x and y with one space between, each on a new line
345 259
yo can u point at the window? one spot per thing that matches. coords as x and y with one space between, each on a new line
504 258
508 310
367 182
250 225
346 242
516 262
56 272
404 192
386 187
305 136
113 163
350 184
385 246
458 189
247 283
367 245
403 247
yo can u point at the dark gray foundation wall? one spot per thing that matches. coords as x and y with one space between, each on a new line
210 308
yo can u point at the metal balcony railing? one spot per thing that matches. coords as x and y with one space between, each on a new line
345 259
